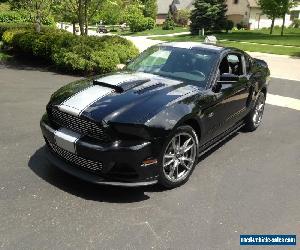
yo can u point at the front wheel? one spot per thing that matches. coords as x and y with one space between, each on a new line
254 118
179 157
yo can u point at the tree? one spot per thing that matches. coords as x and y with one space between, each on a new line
285 6
182 16
150 8
169 24
62 13
134 17
107 15
209 15
37 9
271 8
85 10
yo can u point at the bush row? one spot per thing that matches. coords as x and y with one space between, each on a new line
8 26
21 17
77 54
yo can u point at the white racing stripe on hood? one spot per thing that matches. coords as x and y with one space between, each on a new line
80 101
118 79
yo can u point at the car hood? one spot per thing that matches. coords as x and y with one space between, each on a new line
122 97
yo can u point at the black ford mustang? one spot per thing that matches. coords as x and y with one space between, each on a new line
150 122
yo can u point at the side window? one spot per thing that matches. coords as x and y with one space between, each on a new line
233 64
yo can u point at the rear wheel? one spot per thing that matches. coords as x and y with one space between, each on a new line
179 157
254 118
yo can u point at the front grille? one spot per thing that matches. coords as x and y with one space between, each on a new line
77 124
76 160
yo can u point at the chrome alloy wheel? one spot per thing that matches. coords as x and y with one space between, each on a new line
258 112
179 157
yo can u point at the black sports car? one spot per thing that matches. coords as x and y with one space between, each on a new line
150 122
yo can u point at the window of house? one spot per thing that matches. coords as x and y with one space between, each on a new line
294 15
235 1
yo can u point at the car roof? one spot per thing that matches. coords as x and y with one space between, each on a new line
192 45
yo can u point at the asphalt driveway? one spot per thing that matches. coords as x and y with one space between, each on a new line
249 184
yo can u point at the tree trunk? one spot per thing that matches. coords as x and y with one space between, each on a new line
81 17
74 28
272 25
283 23
37 26
37 23
259 21
86 18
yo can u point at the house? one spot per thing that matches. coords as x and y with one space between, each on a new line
246 12
249 13
165 5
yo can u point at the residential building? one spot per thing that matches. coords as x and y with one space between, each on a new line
165 5
246 12
249 13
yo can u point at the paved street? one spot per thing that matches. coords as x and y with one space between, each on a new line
249 184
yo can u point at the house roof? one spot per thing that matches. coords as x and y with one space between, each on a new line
163 6
253 4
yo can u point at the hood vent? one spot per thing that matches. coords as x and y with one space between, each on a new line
123 86
149 88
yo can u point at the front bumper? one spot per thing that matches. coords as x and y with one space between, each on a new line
121 162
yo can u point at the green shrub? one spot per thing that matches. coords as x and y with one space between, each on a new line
79 54
169 24
182 17
8 26
9 35
150 23
73 62
14 17
242 26
296 23
22 17
124 52
229 25
106 61
23 42
139 23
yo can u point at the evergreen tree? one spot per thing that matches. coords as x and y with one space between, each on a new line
208 14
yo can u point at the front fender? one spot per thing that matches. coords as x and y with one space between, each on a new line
176 114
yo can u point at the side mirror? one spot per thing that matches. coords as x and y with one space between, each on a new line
227 77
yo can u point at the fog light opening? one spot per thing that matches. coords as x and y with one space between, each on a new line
149 162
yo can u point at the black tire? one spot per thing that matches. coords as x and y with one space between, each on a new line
251 123
181 131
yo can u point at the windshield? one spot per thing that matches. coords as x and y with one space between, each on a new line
190 65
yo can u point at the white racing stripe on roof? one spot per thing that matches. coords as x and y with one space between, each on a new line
80 101
283 101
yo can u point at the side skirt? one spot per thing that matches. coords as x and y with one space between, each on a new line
217 140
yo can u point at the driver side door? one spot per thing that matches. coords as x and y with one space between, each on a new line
230 94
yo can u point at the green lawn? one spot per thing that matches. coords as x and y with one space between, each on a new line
155 31
291 37
158 31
